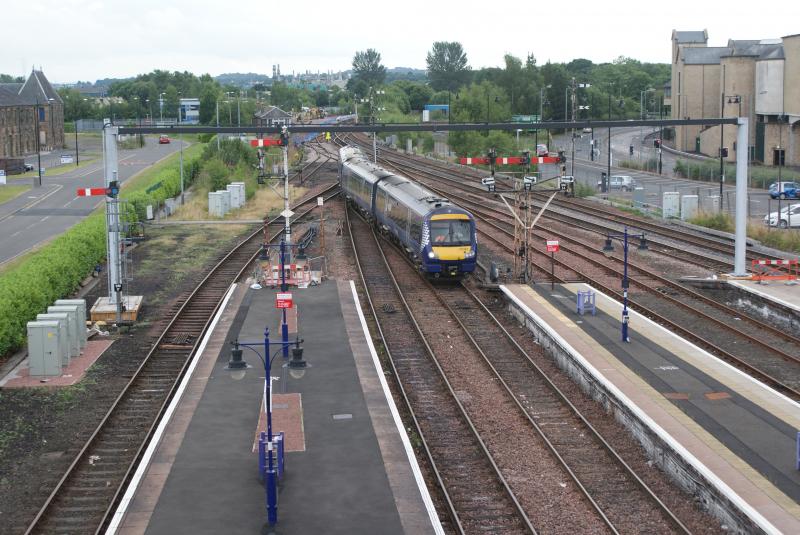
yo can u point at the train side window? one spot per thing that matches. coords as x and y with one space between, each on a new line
416 228
380 201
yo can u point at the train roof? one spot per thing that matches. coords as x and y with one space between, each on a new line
412 194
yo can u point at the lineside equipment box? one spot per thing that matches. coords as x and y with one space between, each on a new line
44 358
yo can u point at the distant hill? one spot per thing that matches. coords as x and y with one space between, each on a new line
405 73
242 79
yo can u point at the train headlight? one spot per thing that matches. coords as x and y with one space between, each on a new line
470 254
431 255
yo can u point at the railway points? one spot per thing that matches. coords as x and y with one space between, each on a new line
346 448
349 463
723 435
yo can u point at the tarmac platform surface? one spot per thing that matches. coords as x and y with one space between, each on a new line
737 433
349 465
787 295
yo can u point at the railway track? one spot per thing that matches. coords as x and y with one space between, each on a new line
477 496
722 248
621 501
770 363
86 495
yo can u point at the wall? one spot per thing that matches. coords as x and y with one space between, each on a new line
791 83
769 80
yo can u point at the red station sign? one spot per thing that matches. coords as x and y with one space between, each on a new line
511 160
283 300
91 192
552 246
265 142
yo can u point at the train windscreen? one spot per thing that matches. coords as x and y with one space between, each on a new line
450 232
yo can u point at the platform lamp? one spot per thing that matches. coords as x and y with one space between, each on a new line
238 369
608 248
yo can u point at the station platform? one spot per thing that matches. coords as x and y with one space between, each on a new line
723 436
349 465
778 292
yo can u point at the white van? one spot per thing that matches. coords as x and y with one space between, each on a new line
621 182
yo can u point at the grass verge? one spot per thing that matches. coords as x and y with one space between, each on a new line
9 192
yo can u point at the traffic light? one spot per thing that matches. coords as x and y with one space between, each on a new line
723 152
526 157
113 189
562 158
657 143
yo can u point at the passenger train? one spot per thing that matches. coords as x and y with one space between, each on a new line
438 235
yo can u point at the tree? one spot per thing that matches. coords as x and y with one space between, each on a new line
8 79
418 93
367 68
75 107
447 66
208 103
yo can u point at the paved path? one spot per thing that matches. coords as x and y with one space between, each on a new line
43 213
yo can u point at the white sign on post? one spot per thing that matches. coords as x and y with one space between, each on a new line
320 201
66 158
2 176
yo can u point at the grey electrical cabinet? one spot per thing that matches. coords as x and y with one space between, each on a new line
63 333
81 315
74 328
44 357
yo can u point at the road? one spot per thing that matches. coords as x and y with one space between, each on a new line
43 213
588 172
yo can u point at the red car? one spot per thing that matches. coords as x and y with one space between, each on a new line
163 140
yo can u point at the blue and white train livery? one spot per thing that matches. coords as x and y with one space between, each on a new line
436 233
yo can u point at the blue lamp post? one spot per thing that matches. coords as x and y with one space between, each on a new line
608 248
238 368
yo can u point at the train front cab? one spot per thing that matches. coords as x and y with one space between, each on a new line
450 250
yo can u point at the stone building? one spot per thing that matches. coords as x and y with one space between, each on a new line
272 116
20 104
749 78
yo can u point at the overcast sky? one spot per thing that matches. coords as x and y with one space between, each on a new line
90 39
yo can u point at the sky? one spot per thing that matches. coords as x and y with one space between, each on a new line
87 40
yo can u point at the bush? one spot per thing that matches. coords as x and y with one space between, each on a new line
718 221
56 269
50 274
760 176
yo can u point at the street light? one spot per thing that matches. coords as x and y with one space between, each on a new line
180 146
77 157
608 248
161 107
238 368
39 141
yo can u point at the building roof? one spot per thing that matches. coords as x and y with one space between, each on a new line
273 112
774 52
683 38
766 47
36 89
704 55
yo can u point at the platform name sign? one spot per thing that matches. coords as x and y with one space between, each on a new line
552 246
283 300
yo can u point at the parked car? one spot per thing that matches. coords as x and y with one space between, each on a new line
163 140
587 130
541 150
621 182
789 217
29 167
784 190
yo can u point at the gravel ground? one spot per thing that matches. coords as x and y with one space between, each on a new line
42 429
